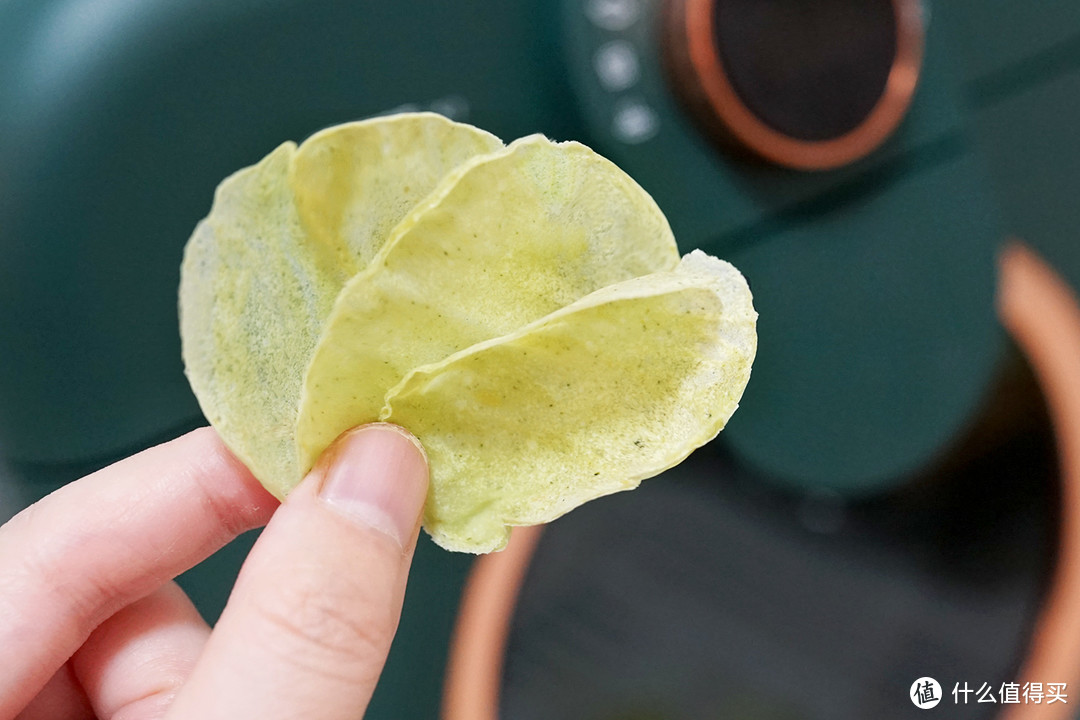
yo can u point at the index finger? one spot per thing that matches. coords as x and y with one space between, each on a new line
73 559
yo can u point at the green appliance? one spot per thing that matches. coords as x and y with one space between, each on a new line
873 274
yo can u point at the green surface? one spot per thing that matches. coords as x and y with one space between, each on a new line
998 39
1021 69
878 345
1031 143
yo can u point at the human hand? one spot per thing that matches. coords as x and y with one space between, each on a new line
92 625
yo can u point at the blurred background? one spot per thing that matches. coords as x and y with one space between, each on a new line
887 503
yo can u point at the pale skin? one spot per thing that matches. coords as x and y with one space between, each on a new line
93 626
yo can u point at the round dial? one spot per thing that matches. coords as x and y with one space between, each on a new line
805 85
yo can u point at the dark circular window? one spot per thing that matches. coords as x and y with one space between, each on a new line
810 84
811 69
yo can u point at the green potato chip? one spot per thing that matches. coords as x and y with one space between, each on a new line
262 270
353 183
506 239
521 309
584 402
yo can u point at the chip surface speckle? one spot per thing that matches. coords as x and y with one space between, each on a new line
521 309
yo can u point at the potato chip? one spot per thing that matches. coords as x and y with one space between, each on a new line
521 309
506 239
584 402
263 269
353 183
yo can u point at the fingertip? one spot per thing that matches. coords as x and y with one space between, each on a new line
377 475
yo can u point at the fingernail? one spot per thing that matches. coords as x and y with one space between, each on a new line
377 475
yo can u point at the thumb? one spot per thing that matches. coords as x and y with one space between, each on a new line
309 624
